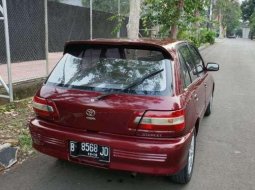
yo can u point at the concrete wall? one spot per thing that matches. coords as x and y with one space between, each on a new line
246 32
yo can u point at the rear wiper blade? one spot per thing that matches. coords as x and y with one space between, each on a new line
130 86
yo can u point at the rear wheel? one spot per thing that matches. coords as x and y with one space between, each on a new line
209 107
184 176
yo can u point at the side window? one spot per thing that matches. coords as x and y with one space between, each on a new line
184 72
197 60
188 60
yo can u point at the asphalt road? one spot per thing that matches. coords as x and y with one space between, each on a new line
225 155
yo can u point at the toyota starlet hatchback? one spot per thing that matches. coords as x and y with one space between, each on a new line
125 105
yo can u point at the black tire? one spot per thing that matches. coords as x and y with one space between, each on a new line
184 176
208 110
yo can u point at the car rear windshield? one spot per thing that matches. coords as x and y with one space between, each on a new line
109 69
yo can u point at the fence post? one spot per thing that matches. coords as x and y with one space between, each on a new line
91 19
46 36
118 34
8 54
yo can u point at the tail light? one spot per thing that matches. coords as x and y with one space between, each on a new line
45 108
161 121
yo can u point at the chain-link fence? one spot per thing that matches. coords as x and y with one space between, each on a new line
70 20
2 38
27 39
67 20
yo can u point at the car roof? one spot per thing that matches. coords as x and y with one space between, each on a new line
166 45
159 42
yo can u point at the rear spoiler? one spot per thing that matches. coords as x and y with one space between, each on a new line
71 46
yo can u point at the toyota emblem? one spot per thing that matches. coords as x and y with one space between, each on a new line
90 112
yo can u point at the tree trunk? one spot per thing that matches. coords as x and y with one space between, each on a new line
134 19
197 15
197 24
174 32
174 27
221 33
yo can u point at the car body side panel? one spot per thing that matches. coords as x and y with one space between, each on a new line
201 96
209 87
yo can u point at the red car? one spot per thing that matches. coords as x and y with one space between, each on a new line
125 105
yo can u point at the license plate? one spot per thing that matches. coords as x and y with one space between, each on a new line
100 153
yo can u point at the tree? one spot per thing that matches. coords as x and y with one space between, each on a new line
134 19
162 12
248 14
172 15
252 25
194 16
229 14
232 16
174 28
247 7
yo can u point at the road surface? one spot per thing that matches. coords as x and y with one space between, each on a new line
225 155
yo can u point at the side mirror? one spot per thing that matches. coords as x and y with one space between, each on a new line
212 67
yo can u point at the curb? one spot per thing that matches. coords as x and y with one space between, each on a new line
24 89
3 146
201 48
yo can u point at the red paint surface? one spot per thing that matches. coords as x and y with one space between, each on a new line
147 152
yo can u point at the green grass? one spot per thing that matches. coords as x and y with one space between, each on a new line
25 142
14 119
7 107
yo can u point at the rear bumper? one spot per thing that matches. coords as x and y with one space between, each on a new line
151 156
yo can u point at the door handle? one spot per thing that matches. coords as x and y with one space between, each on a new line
196 97
205 85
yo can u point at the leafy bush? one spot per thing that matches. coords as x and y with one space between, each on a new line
189 36
198 37
209 37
